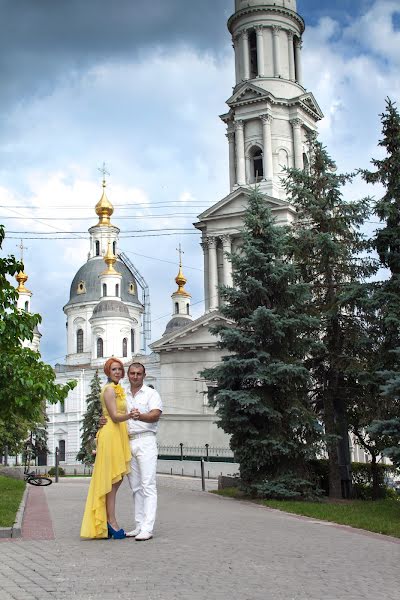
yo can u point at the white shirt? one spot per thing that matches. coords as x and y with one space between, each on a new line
145 400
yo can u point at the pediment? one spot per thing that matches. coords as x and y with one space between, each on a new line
236 203
195 334
246 94
309 102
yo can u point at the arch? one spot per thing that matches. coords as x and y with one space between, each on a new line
61 450
79 341
188 308
283 159
306 163
132 341
253 54
117 290
99 347
125 347
97 248
104 289
114 248
176 308
26 306
255 155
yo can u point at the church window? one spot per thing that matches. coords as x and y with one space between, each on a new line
27 306
104 289
131 288
97 248
125 347
62 406
117 289
99 348
253 55
79 341
176 308
306 164
187 309
61 450
81 288
114 248
257 168
132 340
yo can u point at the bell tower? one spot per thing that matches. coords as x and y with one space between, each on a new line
269 118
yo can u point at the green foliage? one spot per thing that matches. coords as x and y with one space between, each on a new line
327 247
52 472
262 385
90 423
26 382
11 492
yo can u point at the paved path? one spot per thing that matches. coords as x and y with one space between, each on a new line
205 548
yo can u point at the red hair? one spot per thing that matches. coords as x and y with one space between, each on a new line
109 362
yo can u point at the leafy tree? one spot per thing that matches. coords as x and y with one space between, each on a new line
385 362
261 385
25 381
326 245
90 422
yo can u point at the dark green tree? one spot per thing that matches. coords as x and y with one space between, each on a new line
25 381
385 362
90 422
327 248
261 384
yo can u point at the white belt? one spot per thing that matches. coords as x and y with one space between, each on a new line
134 436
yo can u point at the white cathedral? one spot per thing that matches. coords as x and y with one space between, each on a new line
269 116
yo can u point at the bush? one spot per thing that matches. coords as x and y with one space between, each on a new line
52 472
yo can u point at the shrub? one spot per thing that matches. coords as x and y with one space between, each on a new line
52 472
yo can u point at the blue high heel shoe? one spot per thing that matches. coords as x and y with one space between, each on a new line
116 535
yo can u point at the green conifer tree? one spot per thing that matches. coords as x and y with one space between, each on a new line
261 384
90 422
327 247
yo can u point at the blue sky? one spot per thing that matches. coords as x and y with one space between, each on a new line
140 85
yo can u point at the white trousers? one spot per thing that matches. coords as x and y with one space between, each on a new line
142 480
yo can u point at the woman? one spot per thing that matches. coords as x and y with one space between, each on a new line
112 462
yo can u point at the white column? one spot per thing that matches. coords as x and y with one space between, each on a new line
213 273
227 265
292 74
236 47
246 55
267 143
240 161
260 50
232 175
275 41
204 245
297 144
297 56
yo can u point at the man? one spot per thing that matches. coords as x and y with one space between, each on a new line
146 406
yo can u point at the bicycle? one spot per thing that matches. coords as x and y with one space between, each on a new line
31 477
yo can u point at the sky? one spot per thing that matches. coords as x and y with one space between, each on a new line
138 85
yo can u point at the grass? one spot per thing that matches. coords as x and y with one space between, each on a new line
11 492
380 516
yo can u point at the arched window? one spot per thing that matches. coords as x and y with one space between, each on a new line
253 55
27 306
79 341
187 309
132 341
117 289
306 164
257 164
104 289
176 308
62 406
114 248
61 450
125 347
99 348
97 248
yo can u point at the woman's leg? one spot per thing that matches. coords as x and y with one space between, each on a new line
110 505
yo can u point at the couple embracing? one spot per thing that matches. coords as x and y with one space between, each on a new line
126 445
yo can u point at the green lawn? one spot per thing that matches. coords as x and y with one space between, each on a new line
381 516
11 491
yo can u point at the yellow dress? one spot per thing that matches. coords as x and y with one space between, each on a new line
112 462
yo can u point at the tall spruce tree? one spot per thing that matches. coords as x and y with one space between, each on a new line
385 362
90 422
326 246
261 384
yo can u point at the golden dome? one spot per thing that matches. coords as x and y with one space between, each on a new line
181 280
22 277
104 209
110 259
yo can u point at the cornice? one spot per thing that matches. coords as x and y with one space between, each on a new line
271 8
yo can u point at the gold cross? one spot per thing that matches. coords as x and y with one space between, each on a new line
104 173
22 248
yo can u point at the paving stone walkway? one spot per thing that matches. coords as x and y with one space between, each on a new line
205 548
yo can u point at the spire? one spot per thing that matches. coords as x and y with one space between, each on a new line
110 259
180 278
104 209
22 277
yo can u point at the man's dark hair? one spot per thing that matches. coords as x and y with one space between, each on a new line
137 364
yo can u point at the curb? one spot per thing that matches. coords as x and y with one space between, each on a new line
15 531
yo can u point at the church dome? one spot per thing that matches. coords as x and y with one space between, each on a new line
110 308
85 286
176 323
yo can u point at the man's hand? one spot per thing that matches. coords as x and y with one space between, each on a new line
102 421
135 414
